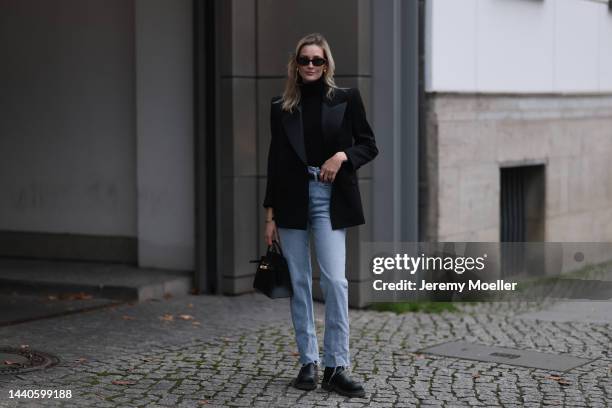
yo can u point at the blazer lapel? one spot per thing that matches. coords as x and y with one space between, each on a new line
295 132
332 114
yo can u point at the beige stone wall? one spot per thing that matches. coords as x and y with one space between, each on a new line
469 137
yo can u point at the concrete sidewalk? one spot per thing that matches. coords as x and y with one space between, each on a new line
239 351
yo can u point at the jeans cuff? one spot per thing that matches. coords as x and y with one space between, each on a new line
337 362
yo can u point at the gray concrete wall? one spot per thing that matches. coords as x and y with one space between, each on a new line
470 136
164 133
96 157
67 143
258 37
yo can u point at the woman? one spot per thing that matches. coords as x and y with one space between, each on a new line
320 137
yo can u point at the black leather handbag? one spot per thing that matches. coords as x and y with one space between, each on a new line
272 277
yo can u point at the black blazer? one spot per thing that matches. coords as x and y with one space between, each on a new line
345 128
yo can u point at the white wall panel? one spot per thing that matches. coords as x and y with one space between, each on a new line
514 46
518 46
576 45
451 45
605 51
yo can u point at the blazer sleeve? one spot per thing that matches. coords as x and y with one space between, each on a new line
364 148
272 159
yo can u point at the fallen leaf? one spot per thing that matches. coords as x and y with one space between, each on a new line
126 317
123 382
190 305
167 317
196 323
75 296
295 353
186 317
558 379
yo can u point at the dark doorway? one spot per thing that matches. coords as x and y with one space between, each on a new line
522 210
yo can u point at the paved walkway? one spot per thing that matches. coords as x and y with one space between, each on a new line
197 351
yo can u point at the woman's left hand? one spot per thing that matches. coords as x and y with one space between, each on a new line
331 166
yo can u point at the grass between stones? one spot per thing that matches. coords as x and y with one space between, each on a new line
600 271
407 307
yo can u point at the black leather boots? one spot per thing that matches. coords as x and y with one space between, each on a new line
337 379
308 377
334 379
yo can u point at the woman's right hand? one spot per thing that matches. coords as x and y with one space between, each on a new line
271 232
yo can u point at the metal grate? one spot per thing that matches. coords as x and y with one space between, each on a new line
505 355
513 204
513 220
22 360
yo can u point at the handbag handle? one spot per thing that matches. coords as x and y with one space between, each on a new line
276 245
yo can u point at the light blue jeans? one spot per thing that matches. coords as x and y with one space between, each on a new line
330 247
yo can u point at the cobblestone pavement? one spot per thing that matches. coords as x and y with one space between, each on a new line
241 352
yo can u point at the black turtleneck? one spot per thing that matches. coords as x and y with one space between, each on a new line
312 95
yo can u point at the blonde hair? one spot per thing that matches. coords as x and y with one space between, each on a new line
292 94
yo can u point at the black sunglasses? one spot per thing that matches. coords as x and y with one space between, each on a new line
316 61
